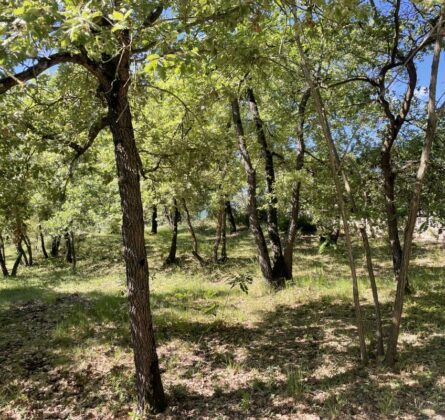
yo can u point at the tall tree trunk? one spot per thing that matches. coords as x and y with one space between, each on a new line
218 232
254 222
223 236
42 242
27 242
55 245
3 258
128 163
415 198
296 188
68 248
336 170
21 251
229 212
15 267
171 259
278 266
73 251
195 251
154 219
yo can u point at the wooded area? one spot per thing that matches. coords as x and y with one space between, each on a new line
280 167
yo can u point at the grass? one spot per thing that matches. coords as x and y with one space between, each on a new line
65 348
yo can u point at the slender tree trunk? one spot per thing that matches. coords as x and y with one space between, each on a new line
20 250
223 236
218 233
3 258
335 169
278 265
128 163
296 188
17 262
68 248
254 222
42 242
195 251
154 219
229 213
55 244
415 198
73 251
171 259
27 242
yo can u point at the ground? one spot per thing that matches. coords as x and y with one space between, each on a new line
65 348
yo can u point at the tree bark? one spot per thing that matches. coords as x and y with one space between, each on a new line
68 248
171 259
3 258
42 242
254 222
229 212
415 198
73 251
27 242
218 232
336 171
128 163
17 262
21 251
195 251
223 236
55 244
278 266
296 187
154 219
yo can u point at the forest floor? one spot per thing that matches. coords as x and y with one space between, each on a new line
65 345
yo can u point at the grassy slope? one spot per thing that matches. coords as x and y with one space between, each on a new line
65 345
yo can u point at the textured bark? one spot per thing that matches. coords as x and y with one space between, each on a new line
254 222
154 219
340 190
278 266
296 187
3 258
223 236
195 251
229 213
42 242
171 258
55 245
415 198
68 248
15 267
73 251
218 232
116 78
28 246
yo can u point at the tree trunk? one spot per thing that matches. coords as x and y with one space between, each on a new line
254 222
55 244
335 169
27 242
128 163
171 259
229 213
296 188
223 236
278 266
21 251
415 198
68 248
195 251
3 258
73 251
42 242
17 262
154 219
218 233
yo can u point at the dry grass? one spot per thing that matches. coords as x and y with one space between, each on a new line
65 346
